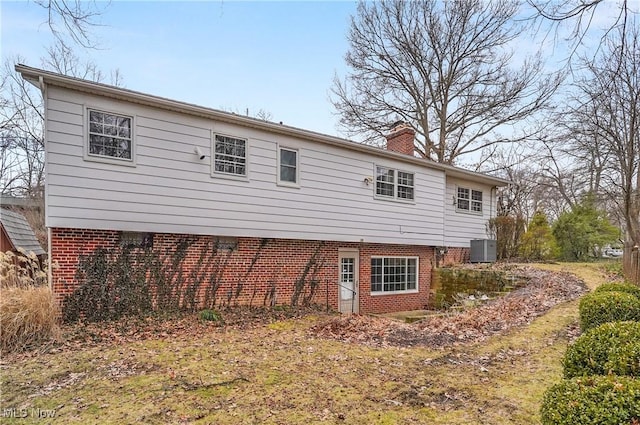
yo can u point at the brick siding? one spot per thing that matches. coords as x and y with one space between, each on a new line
456 256
260 271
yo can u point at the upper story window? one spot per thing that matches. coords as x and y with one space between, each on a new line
394 184
110 135
394 274
469 200
288 167
230 156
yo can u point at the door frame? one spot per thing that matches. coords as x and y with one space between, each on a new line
355 302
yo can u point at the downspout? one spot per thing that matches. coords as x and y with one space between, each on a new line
43 90
444 209
494 196
49 262
494 202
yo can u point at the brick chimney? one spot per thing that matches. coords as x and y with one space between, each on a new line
401 139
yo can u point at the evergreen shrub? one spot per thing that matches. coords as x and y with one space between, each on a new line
619 287
594 400
609 349
597 308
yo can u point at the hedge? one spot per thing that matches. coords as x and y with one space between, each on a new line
619 287
597 308
594 400
611 348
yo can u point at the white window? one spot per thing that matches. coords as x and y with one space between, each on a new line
394 184
404 189
110 135
394 274
288 166
469 200
230 156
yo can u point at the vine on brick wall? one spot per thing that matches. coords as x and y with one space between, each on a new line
136 280
270 294
306 285
126 281
254 260
213 279
111 287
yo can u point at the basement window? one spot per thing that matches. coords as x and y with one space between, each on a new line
394 275
134 240
227 244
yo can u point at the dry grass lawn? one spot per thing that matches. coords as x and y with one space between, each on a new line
279 373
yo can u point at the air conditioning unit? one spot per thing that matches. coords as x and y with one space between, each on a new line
483 251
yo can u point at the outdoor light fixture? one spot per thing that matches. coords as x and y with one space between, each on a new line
368 180
198 152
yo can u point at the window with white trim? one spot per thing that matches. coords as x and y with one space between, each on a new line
288 166
394 274
230 156
110 135
469 200
394 184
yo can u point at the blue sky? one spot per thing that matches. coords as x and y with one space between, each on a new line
280 57
277 56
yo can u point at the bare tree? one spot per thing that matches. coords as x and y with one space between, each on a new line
580 15
610 110
261 114
557 172
513 163
22 119
443 67
72 18
21 138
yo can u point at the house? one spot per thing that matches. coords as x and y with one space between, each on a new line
291 214
15 233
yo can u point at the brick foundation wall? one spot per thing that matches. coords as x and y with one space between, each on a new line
456 256
258 271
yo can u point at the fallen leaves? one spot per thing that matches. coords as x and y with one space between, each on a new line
68 380
79 336
544 290
259 368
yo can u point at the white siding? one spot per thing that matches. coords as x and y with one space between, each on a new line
170 190
462 226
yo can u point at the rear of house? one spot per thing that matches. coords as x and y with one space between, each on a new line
250 212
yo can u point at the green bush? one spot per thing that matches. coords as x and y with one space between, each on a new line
613 268
619 287
594 400
210 315
611 348
603 307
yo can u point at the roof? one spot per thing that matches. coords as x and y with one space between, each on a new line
40 78
19 231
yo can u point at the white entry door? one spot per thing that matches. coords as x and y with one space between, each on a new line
348 281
